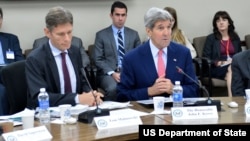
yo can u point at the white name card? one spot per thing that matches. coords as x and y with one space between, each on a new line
32 134
194 112
106 122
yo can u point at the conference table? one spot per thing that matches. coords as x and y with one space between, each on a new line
83 131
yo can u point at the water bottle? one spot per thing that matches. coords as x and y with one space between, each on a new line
177 95
44 113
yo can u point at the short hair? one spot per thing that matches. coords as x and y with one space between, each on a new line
57 16
118 4
1 13
155 14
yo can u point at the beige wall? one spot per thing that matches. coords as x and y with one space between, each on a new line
26 18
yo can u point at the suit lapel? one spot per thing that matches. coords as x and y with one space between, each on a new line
126 38
53 66
112 40
171 62
147 59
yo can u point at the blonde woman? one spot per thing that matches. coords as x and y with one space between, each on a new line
178 35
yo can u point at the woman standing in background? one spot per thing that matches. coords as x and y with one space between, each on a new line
178 35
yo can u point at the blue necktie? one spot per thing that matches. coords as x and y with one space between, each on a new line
121 49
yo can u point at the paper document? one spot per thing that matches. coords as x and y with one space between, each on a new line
16 118
74 110
169 100
112 105
150 101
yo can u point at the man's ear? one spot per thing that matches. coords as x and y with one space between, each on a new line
148 31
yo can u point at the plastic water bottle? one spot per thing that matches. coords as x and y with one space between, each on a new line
177 95
44 113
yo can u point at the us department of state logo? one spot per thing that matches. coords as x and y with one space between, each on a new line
248 110
177 113
11 138
102 123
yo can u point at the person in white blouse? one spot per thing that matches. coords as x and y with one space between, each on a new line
178 35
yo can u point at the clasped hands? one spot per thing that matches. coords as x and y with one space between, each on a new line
161 85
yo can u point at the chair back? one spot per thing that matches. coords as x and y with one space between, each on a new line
14 80
247 40
199 43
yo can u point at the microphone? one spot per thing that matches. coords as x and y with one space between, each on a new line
207 102
88 116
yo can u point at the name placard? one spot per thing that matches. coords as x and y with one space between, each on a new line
40 133
106 122
194 112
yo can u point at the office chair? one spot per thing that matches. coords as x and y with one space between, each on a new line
27 52
76 41
14 80
206 80
247 40
93 68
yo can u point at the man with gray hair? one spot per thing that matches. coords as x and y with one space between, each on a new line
150 69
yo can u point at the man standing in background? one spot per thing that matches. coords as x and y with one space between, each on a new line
111 44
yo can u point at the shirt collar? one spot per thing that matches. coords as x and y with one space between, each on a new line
55 51
115 29
155 50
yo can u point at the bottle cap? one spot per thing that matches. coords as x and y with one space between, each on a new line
42 89
177 82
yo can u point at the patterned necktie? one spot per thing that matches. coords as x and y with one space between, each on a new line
67 83
160 64
121 49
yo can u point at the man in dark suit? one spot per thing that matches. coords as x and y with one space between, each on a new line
76 41
240 73
106 54
141 78
10 51
48 65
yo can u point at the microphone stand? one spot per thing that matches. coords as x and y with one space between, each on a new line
207 102
88 116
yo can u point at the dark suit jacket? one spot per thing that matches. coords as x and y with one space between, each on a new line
211 48
11 42
75 41
139 72
240 73
105 51
42 71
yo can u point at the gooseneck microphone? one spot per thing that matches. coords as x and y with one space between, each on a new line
88 116
207 102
